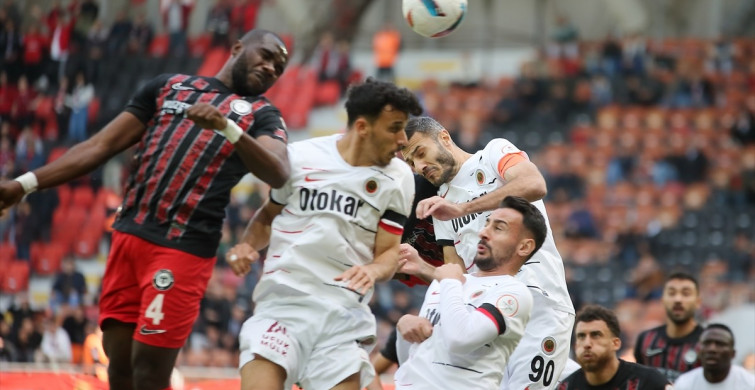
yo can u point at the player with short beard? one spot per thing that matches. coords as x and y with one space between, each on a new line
597 342
671 347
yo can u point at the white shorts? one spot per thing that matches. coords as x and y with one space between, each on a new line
542 353
318 343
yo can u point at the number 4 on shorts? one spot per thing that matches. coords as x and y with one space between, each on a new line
155 310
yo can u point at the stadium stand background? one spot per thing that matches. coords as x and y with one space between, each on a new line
640 114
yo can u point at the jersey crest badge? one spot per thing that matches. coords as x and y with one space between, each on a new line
163 280
241 107
690 356
548 345
371 186
480 177
508 305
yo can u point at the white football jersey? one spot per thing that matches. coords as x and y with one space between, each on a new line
332 212
476 177
431 366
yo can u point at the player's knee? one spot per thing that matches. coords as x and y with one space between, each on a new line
146 376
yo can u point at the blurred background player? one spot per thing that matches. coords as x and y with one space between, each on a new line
717 372
671 347
470 186
598 339
333 230
470 324
174 203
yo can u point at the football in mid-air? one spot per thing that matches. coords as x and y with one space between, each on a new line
434 18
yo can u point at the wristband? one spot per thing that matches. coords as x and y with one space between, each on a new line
232 131
28 181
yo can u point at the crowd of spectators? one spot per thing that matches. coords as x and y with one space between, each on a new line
648 148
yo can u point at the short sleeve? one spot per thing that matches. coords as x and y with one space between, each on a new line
444 234
268 121
400 205
512 304
280 195
500 150
143 103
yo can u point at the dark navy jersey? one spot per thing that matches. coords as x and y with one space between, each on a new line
672 357
177 193
630 376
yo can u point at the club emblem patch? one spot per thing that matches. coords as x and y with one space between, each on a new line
548 345
163 280
508 305
690 356
480 177
241 107
371 186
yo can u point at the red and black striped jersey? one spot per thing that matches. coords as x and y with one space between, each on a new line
183 174
672 357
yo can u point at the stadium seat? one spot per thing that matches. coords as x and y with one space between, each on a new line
159 46
47 261
327 94
7 251
199 45
83 196
16 279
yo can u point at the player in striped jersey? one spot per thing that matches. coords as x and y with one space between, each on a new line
671 348
332 231
196 136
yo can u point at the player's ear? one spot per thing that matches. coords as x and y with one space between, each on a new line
237 48
616 343
526 246
445 138
361 125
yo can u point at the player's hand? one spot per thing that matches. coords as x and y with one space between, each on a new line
206 116
11 193
409 261
241 257
414 329
359 277
439 208
449 271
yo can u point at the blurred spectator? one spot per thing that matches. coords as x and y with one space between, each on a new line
11 49
94 359
7 157
75 325
27 340
720 55
612 56
219 23
96 48
59 46
646 280
176 22
24 104
119 33
332 61
743 129
742 258
69 286
56 345
85 17
79 99
564 43
141 35
634 55
245 16
35 49
30 153
8 94
385 47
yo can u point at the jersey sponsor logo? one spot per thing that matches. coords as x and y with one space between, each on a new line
241 107
433 315
508 305
163 280
548 345
653 351
312 199
480 177
275 338
181 87
371 186
174 107
458 223
146 332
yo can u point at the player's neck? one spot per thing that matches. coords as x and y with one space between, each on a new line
597 378
716 376
675 331
460 157
351 152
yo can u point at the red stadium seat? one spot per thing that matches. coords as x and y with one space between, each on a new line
7 252
48 262
16 279
199 45
327 94
83 196
159 46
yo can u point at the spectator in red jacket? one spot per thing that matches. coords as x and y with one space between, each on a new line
176 21
35 45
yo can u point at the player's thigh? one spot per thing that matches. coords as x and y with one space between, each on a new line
542 353
116 341
342 366
172 285
273 342
262 374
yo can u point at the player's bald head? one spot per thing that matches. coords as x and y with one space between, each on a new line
259 35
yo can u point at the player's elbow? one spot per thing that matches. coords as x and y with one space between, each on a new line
539 191
280 176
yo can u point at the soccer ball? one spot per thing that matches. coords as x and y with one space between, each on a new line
434 18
